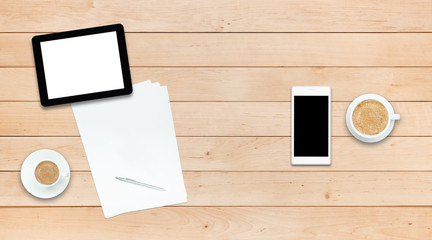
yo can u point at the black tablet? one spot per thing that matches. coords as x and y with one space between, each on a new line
82 65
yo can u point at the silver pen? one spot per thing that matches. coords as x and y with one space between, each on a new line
128 180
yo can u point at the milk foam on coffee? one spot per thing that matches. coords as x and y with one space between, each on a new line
47 173
370 117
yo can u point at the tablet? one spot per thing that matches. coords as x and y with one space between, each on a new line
82 65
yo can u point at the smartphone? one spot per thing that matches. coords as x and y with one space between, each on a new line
311 125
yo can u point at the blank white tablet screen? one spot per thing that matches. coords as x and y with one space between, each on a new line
80 65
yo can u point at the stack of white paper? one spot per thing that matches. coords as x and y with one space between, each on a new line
132 136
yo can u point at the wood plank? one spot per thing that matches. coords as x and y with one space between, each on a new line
251 49
219 16
32 119
13 151
254 84
245 153
208 119
257 189
392 223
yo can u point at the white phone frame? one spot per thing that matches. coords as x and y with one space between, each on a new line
311 91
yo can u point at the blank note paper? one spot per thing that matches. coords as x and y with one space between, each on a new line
132 136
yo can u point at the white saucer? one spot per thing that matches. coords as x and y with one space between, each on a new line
27 171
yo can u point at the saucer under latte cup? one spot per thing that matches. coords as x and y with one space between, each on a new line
38 189
391 118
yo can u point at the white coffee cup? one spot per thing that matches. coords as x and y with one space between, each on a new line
62 173
392 117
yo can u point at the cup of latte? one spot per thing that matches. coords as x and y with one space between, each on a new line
370 118
48 174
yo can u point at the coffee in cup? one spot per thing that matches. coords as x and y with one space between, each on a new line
370 117
47 173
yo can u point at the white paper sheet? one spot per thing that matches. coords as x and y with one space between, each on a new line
132 136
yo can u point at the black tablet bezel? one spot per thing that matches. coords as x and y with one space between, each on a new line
40 72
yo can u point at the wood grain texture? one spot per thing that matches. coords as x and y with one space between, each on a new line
13 151
245 153
219 16
229 66
251 49
392 223
257 189
208 119
253 84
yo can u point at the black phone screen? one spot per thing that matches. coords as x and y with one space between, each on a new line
311 130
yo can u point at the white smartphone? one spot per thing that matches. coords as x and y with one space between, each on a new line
311 125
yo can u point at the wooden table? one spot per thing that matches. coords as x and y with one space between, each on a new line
229 66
